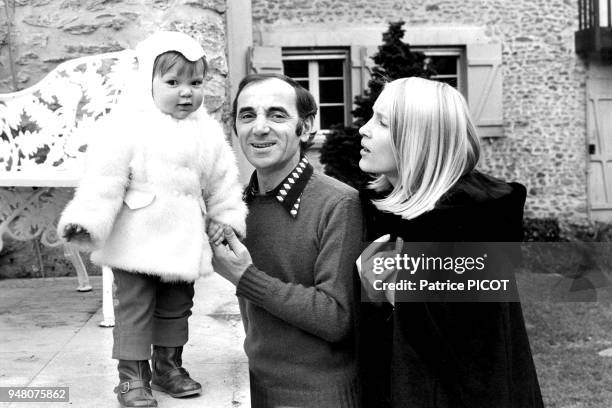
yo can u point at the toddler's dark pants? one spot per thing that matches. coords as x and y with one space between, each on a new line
149 311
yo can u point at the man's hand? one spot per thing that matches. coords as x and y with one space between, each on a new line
231 260
75 232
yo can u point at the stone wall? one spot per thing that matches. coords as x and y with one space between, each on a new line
46 32
544 82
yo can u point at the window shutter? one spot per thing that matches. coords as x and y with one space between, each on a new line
265 60
361 64
356 71
484 80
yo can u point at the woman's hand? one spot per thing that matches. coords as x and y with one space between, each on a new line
373 272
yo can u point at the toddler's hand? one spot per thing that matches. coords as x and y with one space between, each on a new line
75 232
215 233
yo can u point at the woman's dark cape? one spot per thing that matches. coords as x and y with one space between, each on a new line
451 355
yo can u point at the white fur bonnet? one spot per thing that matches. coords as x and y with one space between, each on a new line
146 53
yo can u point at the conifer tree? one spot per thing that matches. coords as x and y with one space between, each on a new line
394 59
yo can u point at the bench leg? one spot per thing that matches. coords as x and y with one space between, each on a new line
108 312
83 280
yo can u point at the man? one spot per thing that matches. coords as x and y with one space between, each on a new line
294 278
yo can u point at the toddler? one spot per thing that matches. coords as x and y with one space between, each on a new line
158 172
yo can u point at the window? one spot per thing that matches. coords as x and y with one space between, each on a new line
449 65
324 73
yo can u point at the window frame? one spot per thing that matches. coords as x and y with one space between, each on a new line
446 51
312 55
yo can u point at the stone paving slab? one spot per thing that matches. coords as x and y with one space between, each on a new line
49 336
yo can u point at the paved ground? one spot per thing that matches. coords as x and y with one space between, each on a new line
49 336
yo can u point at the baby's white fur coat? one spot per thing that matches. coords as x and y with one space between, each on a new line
149 184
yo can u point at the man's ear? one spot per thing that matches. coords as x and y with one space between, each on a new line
307 125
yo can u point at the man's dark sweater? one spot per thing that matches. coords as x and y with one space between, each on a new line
297 301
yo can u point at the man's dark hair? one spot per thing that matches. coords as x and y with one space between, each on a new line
164 63
304 101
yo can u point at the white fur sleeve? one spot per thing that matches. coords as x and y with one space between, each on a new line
99 196
222 191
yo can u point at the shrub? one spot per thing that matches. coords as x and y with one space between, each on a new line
394 59
572 250
542 230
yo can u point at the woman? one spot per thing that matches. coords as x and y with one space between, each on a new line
423 146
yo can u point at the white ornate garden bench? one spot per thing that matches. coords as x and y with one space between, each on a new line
43 137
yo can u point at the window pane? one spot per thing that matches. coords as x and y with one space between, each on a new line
331 115
443 65
331 91
331 68
304 84
296 69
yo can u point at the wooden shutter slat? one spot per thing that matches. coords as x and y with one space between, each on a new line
485 97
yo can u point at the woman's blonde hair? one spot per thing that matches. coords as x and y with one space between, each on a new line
434 143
